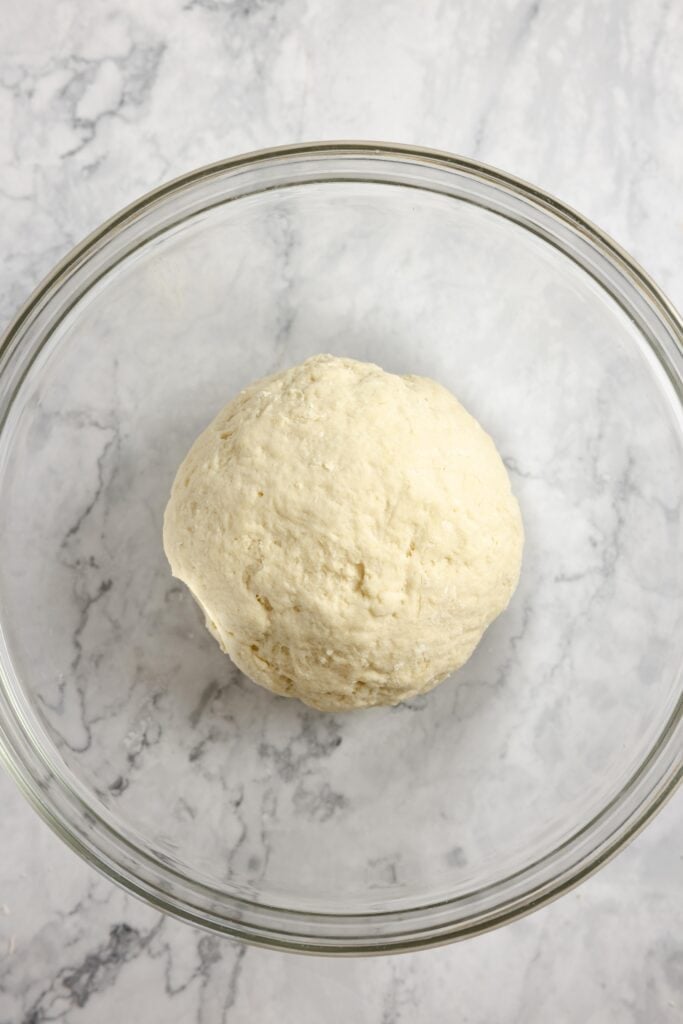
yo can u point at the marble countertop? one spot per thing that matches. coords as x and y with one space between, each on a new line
99 104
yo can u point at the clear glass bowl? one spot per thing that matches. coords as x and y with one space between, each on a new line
128 729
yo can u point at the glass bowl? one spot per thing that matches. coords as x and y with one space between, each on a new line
134 736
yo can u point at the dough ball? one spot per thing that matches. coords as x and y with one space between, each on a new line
348 533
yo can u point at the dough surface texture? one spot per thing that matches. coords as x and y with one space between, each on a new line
348 533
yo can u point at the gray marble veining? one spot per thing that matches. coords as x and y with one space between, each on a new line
98 106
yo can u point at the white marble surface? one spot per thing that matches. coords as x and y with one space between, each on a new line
99 105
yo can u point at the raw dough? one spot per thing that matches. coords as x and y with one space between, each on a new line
348 533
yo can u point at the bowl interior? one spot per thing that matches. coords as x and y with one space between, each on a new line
258 795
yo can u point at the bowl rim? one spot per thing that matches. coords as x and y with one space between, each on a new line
160 883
